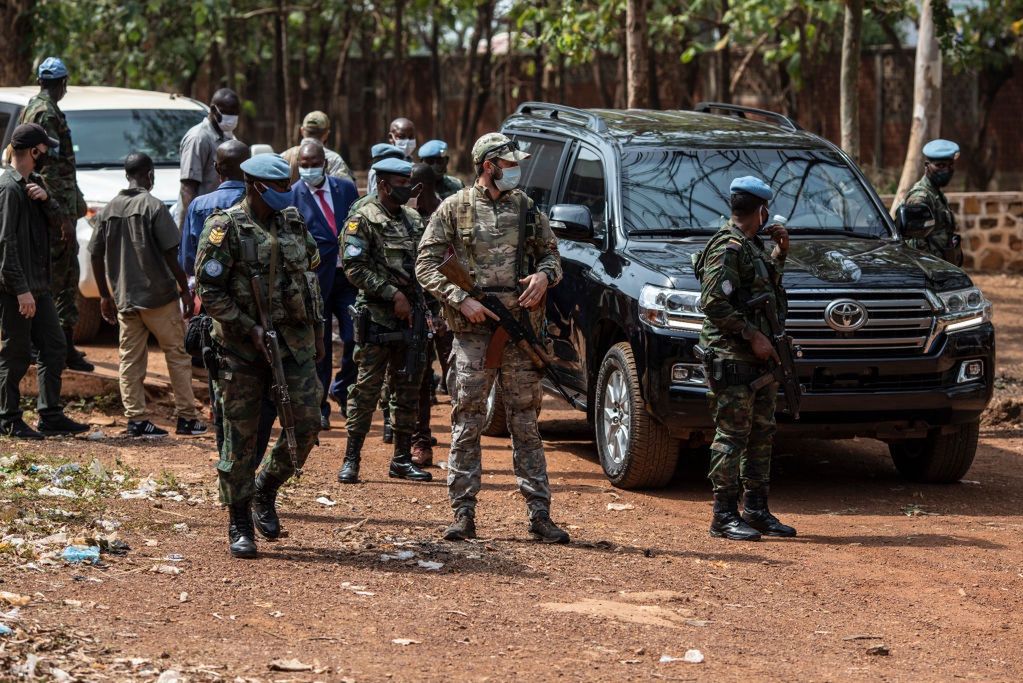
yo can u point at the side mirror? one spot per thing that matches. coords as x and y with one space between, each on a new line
915 221
572 221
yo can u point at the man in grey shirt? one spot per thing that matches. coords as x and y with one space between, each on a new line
199 147
135 247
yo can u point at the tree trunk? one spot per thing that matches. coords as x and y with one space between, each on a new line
437 111
16 50
926 101
280 79
637 80
850 91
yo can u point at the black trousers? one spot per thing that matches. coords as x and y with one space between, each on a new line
18 335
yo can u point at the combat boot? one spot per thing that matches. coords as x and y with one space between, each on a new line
75 359
756 514
727 523
240 531
463 528
542 528
388 429
402 466
349 473
264 507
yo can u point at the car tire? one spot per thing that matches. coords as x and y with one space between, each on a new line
937 458
89 320
635 450
495 419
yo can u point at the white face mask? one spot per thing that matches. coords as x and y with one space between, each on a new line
509 179
228 122
406 145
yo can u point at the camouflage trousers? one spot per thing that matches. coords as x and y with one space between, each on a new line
242 389
64 274
521 391
742 443
379 364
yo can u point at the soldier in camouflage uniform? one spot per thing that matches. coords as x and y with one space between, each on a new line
378 251
435 154
734 268
58 169
261 235
939 167
499 236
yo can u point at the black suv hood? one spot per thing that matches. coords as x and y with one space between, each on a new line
818 263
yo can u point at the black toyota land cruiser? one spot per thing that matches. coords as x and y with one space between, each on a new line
896 344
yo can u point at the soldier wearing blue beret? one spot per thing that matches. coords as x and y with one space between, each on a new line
262 235
734 268
379 152
435 153
939 167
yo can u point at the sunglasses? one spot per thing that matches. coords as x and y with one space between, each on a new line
511 146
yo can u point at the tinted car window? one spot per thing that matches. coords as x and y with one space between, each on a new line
105 138
686 189
541 170
586 186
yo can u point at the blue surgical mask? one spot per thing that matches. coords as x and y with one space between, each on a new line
275 199
312 176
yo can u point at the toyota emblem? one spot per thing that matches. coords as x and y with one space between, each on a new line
845 315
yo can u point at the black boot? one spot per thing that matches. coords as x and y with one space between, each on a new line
349 473
756 514
388 429
463 528
264 507
727 523
542 528
75 359
402 466
240 531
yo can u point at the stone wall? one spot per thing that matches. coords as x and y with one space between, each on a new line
991 224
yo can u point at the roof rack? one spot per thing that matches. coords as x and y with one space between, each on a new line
740 111
561 112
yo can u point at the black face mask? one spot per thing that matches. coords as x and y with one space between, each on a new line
399 194
942 178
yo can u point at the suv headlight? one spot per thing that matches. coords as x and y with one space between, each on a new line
963 309
672 309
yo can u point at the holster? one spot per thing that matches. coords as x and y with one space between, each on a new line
724 372
360 324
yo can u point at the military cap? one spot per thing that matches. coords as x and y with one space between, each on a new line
433 148
52 69
31 134
496 145
316 122
267 167
752 185
941 150
384 150
393 167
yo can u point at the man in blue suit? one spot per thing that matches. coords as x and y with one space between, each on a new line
324 202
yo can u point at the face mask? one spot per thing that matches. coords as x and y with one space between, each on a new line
399 194
275 199
227 122
312 176
942 178
439 168
509 179
765 218
406 145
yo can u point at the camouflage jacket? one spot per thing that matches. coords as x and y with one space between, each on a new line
927 193
449 185
483 233
57 167
223 280
732 270
378 252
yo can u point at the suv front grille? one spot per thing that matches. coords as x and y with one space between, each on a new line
897 321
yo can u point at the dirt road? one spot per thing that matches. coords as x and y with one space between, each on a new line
886 581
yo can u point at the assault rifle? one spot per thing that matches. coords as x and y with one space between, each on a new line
420 331
507 328
281 396
783 372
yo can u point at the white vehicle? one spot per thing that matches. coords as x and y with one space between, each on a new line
106 125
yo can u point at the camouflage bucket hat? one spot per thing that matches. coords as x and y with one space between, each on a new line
496 145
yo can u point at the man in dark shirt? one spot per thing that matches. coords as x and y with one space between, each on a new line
135 246
27 313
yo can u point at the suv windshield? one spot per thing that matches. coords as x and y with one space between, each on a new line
104 138
687 190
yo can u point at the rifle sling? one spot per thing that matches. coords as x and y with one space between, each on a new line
274 248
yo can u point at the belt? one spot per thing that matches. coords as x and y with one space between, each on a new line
500 290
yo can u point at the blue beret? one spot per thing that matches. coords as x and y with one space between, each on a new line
752 185
433 148
941 150
393 166
52 68
267 167
384 150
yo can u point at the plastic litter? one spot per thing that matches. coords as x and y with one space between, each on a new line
57 492
77 554
618 507
405 641
323 500
165 569
5 630
430 566
401 556
181 528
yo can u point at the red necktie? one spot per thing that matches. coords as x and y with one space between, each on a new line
327 211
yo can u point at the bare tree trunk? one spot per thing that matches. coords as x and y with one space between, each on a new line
637 80
397 95
437 108
16 49
926 101
850 91
281 132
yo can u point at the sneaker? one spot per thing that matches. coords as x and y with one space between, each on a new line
187 427
144 429
60 425
19 430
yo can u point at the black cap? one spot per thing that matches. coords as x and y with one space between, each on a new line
31 134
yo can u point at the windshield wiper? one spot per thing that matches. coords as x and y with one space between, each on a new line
834 233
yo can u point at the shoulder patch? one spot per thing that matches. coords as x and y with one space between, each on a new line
353 250
217 234
314 262
213 268
733 245
353 226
